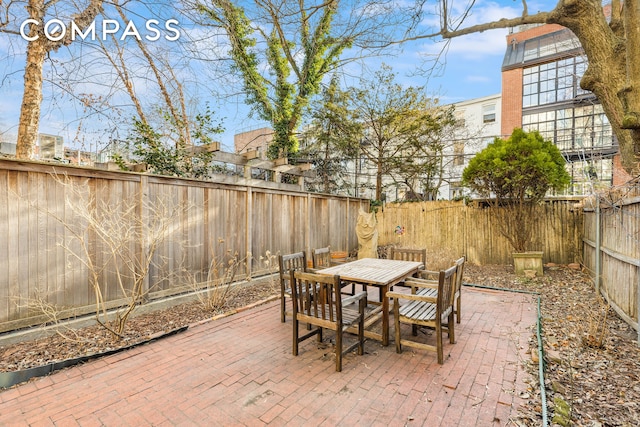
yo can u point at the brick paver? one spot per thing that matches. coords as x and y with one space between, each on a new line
239 370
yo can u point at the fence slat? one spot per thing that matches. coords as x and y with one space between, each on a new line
617 255
470 230
220 220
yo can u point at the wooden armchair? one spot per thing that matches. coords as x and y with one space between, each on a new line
286 264
317 301
405 254
321 258
435 311
430 275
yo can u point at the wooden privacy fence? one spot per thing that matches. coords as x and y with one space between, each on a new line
57 224
612 251
452 229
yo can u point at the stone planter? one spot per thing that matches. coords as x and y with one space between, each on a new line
525 262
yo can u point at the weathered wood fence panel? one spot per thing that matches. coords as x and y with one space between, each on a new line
456 229
612 252
47 248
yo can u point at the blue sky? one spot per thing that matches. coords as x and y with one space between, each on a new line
472 70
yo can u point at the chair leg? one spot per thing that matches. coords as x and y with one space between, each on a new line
439 343
396 320
282 307
339 350
295 335
452 332
361 329
458 309
353 290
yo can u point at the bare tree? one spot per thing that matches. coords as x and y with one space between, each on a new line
330 140
169 86
282 50
117 245
610 37
402 131
39 46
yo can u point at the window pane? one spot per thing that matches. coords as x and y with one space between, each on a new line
529 78
547 97
529 100
529 89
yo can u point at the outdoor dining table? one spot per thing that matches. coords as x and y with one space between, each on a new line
380 273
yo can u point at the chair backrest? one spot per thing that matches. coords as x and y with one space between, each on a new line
291 262
446 291
405 254
321 257
459 272
316 296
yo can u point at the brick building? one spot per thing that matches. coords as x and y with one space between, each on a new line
541 91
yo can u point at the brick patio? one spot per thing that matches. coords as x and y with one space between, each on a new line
239 370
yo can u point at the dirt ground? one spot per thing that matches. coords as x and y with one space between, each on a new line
593 358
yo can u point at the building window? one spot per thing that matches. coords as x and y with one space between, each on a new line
553 82
574 128
582 133
458 153
489 113
588 175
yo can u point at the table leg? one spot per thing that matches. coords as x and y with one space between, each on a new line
385 316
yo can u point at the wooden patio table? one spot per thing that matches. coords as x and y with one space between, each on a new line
380 273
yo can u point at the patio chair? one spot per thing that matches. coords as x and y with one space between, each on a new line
321 258
458 288
406 254
317 301
286 264
429 274
434 311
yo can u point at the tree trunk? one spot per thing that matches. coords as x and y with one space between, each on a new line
379 182
36 53
32 98
609 75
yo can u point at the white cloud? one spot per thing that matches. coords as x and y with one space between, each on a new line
477 45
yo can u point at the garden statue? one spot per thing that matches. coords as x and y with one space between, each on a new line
367 235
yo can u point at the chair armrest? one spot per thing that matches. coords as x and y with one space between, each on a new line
425 274
313 270
353 298
421 283
413 297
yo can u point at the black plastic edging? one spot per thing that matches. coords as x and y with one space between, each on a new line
543 391
9 379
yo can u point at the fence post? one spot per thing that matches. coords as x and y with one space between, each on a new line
346 231
144 223
307 243
598 244
249 231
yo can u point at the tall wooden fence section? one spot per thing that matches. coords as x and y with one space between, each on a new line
452 229
49 256
612 251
